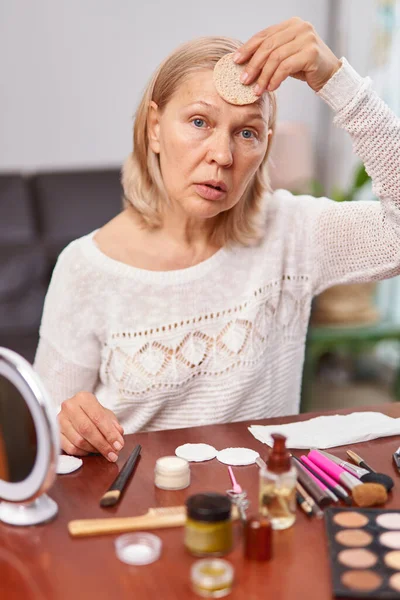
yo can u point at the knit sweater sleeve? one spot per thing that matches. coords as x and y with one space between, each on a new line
68 355
360 241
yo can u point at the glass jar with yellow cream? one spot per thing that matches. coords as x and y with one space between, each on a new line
208 530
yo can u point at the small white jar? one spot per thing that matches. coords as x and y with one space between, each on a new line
172 473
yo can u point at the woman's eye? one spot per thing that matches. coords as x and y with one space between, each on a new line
198 123
248 134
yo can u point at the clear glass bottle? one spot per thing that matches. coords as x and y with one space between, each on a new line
278 486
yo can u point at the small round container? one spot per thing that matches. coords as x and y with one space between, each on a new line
208 529
172 473
212 577
138 548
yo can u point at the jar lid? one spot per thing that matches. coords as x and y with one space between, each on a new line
171 465
209 507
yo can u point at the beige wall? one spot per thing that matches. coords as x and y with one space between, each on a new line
71 72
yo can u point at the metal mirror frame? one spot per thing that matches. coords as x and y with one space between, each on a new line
36 506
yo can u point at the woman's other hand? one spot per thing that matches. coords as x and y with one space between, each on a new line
290 49
86 426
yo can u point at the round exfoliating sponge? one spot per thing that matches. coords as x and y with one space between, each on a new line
228 84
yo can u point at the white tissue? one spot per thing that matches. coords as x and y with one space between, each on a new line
330 431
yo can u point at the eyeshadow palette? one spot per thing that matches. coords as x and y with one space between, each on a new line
364 550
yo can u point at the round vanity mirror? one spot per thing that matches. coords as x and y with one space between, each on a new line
29 443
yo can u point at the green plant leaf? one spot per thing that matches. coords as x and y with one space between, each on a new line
337 194
361 177
316 188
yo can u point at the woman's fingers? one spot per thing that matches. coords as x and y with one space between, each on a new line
278 58
85 423
270 56
115 422
80 430
290 66
69 447
246 51
270 47
74 437
103 419
104 424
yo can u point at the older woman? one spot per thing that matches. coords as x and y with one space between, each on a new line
191 306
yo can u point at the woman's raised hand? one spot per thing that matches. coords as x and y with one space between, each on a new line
86 426
290 49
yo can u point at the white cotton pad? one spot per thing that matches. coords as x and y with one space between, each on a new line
67 464
196 452
237 456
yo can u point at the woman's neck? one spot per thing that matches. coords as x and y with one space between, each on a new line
128 240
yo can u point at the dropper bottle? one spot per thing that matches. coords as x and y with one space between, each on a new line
278 486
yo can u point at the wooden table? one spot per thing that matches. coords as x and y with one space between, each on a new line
44 563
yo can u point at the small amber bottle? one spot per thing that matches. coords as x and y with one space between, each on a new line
258 538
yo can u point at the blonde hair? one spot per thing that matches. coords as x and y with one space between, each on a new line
141 175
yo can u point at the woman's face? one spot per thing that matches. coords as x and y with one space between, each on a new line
209 149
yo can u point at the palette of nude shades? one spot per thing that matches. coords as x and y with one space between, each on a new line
364 550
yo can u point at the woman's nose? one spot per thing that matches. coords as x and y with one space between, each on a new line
220 150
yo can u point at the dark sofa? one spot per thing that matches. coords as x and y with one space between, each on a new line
39 216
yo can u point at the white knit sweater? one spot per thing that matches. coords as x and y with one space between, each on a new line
224 340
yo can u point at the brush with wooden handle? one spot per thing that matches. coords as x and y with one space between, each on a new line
155 518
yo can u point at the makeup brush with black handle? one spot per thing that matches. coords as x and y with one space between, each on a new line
363 474
364 494
113 494
335 487
321 497
361 463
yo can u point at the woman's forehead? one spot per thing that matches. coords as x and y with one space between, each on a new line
199 88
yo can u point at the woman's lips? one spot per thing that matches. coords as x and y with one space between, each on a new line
209 193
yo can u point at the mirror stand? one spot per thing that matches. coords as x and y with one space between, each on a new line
41 510
29 444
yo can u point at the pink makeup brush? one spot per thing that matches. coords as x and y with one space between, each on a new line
364 494
335 487
335 471
323 487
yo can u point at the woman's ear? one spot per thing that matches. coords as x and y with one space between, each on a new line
153 127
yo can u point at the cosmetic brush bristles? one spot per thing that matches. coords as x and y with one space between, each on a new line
110 498
302 502
310 501
369 494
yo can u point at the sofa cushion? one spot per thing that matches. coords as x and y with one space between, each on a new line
17 224
22 287
23 343
72 204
